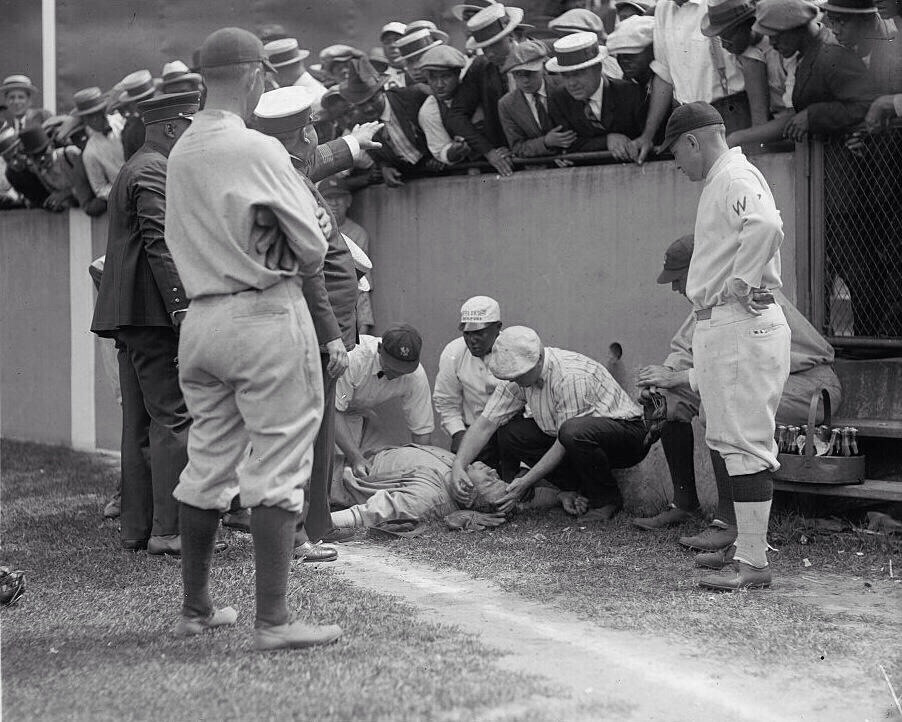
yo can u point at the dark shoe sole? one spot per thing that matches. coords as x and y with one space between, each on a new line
728 588
134 545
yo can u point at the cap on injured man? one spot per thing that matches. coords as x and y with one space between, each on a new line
516 351
479 312
401 346
677 259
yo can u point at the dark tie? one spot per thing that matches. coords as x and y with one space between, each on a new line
542 112
595 121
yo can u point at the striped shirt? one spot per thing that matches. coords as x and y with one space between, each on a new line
571 385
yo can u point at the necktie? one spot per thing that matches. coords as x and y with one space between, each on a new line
590 114
542 112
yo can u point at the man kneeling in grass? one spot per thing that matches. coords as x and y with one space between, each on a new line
581 424
411 484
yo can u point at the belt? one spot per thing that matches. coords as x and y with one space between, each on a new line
758 295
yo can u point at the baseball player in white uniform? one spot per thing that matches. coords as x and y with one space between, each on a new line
740 347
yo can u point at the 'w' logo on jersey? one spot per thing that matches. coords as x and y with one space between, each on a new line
739 206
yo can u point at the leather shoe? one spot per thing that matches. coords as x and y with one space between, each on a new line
715 560
295 635
711 539
314 553
113 507
737 575
165 544
192 626
238 520
134 545
338 535
667 518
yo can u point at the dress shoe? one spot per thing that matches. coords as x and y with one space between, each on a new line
671 516
295 635
134 545
165 544
737 575
238 520
314 553
339 535
192 626
715 560
711 539
113 507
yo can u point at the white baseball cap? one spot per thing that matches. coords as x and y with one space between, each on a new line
478 312
516 351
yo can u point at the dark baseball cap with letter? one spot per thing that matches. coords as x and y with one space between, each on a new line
401 346
688 117
677 259
232 46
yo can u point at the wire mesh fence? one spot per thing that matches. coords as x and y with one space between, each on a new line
862 197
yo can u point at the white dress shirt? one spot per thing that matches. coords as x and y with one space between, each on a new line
685 58
362 387
437 137
103 156
463 386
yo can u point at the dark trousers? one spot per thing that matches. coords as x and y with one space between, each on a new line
318 521
155 425
594 447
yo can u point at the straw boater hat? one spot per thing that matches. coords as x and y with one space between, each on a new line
176 71
284 52
465 12
491 24
88 101
136 86
413 45
575 52
18 82
427 25
725 14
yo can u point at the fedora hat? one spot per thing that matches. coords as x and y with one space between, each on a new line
284 51
9 140
136 86
575 52
89 100
725 14
18 82
176 71
34 140
491 24
412 45
363 82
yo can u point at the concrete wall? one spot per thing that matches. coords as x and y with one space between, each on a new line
573 253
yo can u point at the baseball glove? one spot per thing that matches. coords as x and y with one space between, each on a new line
12 586
654 415
472 520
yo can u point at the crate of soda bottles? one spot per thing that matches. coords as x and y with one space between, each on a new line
819 453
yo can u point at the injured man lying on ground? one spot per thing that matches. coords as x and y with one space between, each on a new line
409 485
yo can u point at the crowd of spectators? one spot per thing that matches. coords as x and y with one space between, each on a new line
515 94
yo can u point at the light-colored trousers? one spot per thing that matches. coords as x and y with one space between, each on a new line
741 366
250 373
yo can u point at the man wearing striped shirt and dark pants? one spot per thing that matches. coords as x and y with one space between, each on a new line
578 425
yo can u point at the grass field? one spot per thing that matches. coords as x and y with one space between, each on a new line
91 638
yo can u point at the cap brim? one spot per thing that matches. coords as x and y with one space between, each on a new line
475 326
390 363
711 31
669 275
532 66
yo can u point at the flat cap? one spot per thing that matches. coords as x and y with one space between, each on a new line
690 116
169 107
632 35
232 46
776 16
516 351
528 55
284 109
442 56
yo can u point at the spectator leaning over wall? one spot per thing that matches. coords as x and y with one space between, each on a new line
136 86
21 178
103 155
858 27
56 168
631 45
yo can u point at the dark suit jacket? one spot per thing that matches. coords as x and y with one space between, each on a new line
405 105
140 284
623 111
832 85
524 136
133 134
484 86
332 295
331 158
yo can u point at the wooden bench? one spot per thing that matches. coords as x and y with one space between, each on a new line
872 403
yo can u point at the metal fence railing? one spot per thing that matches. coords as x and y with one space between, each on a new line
857 240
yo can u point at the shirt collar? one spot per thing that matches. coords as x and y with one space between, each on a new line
596 98
216 115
